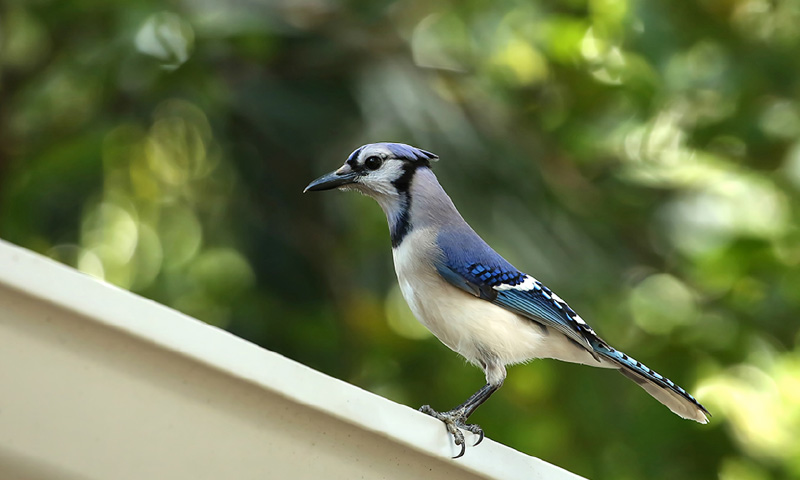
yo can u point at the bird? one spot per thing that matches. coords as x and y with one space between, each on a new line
471 298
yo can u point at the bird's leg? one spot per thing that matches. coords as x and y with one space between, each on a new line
457 417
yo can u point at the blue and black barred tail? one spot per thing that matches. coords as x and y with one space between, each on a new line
661 388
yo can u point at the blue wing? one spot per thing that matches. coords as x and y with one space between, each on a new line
506 289
482 272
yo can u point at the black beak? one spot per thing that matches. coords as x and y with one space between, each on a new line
340 177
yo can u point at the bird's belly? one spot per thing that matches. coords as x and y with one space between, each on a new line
474 328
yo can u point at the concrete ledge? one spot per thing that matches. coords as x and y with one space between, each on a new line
99 383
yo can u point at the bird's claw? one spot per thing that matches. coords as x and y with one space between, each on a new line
454 421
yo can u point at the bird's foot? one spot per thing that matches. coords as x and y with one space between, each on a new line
454 420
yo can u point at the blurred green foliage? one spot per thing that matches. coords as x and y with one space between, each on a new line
642 158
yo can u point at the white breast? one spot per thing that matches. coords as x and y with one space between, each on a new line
465 323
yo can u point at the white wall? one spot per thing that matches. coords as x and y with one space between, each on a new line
98 383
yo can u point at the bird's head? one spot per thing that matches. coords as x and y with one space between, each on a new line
380 170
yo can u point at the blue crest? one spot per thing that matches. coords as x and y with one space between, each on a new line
400 151
412 154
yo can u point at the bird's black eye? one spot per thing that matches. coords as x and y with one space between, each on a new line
373 162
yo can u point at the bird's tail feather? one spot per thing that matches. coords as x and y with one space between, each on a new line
660 387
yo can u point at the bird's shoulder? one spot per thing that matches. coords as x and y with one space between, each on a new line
471 263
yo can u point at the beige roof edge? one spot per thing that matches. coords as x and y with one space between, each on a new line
95 301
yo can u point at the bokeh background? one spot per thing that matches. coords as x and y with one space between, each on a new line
641 157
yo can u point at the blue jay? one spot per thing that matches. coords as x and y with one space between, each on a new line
470 297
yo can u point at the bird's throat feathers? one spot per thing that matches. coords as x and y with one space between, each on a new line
418 201
398 209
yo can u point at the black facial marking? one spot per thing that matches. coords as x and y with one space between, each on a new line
403 183
352 159
402 226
